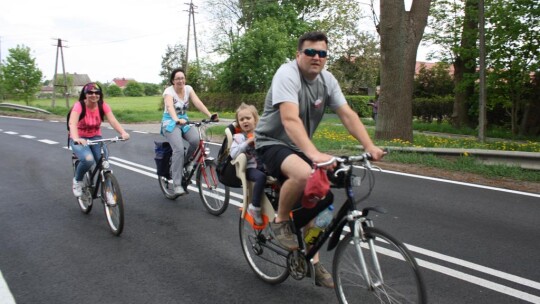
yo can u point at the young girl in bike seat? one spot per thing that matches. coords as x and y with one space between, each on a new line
89 127
173 124
244 142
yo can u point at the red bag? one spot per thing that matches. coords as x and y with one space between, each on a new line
316 188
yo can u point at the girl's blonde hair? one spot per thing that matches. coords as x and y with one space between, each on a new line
251 108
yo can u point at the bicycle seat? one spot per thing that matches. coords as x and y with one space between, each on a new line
240 164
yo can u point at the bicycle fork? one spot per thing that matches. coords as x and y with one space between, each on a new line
358 238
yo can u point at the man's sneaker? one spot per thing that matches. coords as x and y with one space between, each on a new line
255 213
77 188
322 276
179 190
284 235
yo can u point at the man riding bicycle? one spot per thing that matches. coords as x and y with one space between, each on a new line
295 104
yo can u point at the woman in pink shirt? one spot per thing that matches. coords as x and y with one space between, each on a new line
89 127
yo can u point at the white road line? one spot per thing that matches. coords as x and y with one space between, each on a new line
481 282
141 132
47 141
11 132
462 183
116 160
476 267
28 136
5 294
21 118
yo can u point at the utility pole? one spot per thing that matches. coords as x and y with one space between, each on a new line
191 16
59 48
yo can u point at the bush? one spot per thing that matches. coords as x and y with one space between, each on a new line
114 91
360 104
427 109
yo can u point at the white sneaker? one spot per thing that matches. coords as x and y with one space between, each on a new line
77 188
179 190
111 201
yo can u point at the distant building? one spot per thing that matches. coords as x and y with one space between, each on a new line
429 66
79 80
122 82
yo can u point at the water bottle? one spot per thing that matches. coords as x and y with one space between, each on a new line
324 218
322 221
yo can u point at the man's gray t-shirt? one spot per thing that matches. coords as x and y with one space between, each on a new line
312 97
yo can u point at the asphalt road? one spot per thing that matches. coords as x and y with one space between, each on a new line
475 245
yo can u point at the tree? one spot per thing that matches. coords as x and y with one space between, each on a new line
453 26
436 81
151 89
22 78
358 68
401 32
465 66
134 89
255 57
513 41
113 91
257 37
175 57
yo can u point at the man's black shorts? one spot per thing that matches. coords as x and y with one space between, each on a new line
273 156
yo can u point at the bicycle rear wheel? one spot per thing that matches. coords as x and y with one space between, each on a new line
113 203
400 281
167 187
265 257
85 200
215 196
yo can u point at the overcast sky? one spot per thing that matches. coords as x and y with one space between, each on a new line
103 38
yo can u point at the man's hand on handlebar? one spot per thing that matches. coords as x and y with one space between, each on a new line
320 158
214 117
181 121
375 152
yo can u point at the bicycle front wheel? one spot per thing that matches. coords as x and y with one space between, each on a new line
265 257
392 272
113 202
215 196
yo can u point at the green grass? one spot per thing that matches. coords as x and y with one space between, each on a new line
465 164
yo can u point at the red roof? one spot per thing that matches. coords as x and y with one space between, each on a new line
122 82
429 66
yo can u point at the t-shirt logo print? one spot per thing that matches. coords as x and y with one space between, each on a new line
180 107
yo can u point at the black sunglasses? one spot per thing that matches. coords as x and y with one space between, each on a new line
313 52
93 92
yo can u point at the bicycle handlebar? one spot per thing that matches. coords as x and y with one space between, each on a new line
363 158
90 142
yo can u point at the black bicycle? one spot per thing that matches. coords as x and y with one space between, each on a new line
99 182
369 265
214 195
